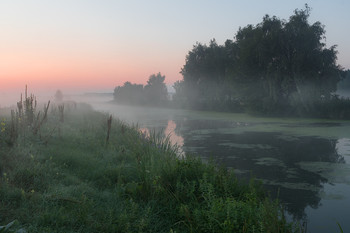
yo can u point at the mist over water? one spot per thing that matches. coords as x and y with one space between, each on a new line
284 65
303 162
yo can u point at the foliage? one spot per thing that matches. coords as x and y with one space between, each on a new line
274 67
129 94
206 84
154 93
179 97
340 228
335 108
344 84
26 120
75 182
9 228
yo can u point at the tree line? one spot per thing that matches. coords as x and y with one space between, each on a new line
276 67
153 93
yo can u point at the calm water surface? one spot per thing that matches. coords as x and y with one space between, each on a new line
303 162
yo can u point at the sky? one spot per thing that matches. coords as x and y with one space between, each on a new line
96 45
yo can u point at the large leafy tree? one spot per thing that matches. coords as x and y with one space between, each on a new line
205 75
294 64
156 92
276 65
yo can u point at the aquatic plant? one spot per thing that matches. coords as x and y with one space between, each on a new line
340 228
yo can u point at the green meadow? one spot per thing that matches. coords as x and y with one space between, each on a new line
67 168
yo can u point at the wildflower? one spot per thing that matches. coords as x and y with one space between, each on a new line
32 191
5 177
3 125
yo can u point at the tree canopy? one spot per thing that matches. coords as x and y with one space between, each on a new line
153 93
156 91
129 93
274 66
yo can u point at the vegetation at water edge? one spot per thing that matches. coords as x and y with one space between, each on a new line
67 168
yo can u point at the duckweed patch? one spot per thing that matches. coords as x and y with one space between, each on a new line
268 161
332 172
291 185
246 146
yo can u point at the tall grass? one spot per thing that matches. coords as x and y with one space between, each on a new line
66 178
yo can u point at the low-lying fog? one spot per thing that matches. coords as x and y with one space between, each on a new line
304 161
10 99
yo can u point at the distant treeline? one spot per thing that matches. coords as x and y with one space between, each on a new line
276 67
155 93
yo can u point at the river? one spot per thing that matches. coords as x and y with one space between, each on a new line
303 162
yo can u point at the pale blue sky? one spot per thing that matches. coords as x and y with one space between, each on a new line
109 42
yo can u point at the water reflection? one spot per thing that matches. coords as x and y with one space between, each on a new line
279 160
170 131
343 148
303 162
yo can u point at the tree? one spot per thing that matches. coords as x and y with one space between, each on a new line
156 92
343 86
179 98
205 75
129 94
274 66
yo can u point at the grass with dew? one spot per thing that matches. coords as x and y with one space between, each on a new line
65 176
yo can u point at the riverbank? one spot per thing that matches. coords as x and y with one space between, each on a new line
71 177
284 154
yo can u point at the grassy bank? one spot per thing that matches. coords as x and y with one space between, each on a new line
77 170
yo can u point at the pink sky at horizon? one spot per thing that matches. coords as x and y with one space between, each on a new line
87 45
66 73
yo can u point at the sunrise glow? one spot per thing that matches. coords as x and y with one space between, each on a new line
87 45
